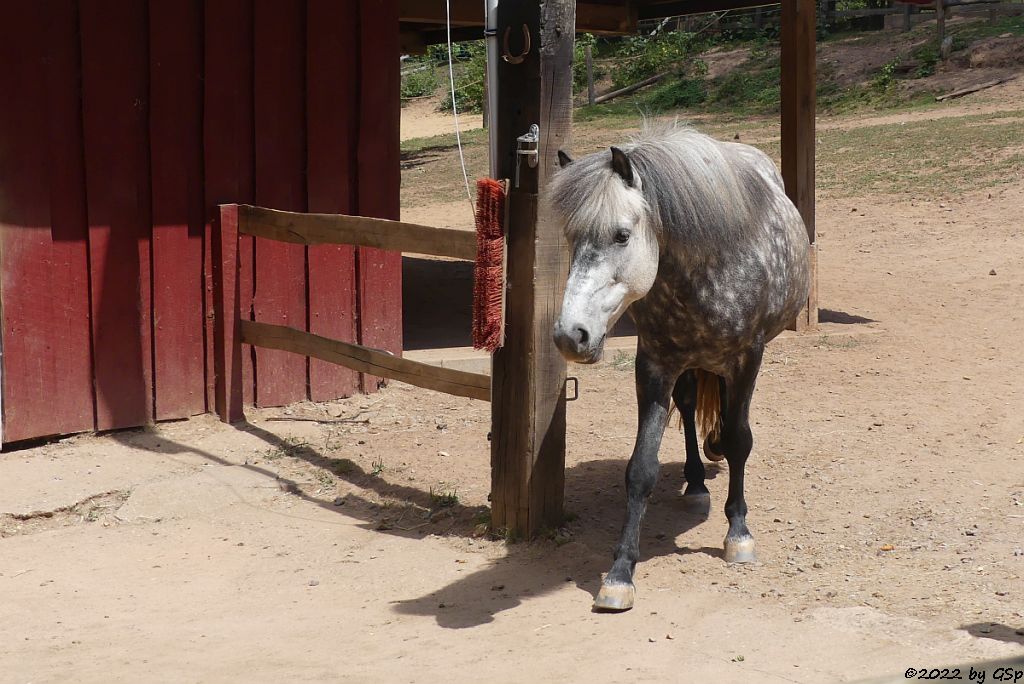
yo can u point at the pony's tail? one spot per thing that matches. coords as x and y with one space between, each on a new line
709 406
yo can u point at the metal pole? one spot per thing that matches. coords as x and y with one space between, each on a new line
491 35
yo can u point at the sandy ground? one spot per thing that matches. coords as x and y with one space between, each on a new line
347 541
420 119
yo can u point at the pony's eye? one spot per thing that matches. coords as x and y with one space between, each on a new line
622 237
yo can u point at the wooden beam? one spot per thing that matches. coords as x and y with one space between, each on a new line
618 18
679 8
366 360
528 373
339 229
798 104
463 12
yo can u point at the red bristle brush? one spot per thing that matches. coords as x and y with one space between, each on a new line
489 272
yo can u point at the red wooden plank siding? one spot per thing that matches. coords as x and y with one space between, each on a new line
176 159
279 97
123 127
332 77
228 141
380 273
115 91
47 371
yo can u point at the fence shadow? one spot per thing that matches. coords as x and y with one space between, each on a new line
577 553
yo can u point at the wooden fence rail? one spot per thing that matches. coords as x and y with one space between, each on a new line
314 229
339 229
365 360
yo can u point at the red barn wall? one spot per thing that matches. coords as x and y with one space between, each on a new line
121 130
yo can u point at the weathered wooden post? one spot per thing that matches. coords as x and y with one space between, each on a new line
906 17
227 347
940 20
590 75
528 373
798 103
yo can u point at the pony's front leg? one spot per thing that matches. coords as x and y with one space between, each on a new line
737 442
653 389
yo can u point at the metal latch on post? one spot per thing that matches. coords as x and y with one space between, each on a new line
575 388
528 145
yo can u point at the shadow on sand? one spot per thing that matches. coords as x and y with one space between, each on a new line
577 553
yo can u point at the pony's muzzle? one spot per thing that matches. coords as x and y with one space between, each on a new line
577 343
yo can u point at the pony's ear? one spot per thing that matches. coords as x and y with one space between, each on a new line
622 166
564 159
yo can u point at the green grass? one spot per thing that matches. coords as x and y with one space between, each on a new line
624 361
752 87
444 497
982 29
919 156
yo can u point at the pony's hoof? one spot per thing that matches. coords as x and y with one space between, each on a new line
710 453
698 503
739 550
615 598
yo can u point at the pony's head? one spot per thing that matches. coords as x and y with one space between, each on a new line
614 248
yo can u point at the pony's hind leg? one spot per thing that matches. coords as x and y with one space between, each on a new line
696 498
653 389
737 442
713 440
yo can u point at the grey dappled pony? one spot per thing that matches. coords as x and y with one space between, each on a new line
697 239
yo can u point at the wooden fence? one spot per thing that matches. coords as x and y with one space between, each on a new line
267 226
769 15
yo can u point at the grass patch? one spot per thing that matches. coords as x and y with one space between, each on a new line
678 93
422 83
917 156
830 342
624 361
982 29
324 478
444 497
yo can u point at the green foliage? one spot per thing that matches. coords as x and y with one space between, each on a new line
640 57
885 79
678 92
927 55
470 73
421 83
579 64
753 86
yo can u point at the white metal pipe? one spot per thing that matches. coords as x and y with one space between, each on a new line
491 31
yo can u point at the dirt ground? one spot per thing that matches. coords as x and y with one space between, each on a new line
886 494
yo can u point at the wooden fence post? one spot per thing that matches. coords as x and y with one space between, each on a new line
798 104
528 373
940 20
906 17
227 360
590 75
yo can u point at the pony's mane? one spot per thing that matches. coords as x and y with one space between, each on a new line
695 189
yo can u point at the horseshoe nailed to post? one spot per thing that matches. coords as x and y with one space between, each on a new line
506 51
